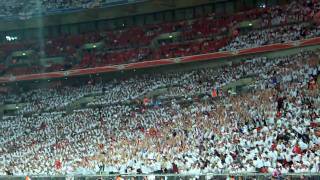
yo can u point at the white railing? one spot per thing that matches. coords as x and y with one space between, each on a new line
204 176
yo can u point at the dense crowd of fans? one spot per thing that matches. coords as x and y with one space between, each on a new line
27 9
191 124
272 36
273 127
278 24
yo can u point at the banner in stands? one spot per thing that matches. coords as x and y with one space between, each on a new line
154 63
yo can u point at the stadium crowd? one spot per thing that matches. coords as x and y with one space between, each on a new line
275 35
201 35
196 126
272 128
27 9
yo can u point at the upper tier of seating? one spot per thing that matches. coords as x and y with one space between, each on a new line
197 36
17 9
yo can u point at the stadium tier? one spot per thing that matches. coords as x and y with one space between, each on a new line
167 40
238 118
16 9
194 127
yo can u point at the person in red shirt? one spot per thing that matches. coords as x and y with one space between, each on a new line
297 149
273 146
214 93
58 164
175 169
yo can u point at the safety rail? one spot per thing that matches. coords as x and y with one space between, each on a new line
204 176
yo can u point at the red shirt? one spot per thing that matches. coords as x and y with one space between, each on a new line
297 149
58 164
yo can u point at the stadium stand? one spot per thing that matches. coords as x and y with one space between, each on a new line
197 36
16 9
187 121
274 126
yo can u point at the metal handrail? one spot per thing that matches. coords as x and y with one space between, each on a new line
171 175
